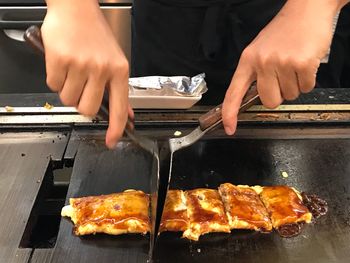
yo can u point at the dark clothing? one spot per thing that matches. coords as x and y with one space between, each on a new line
335 74
187 37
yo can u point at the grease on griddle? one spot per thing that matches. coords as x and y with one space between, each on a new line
317 206
290 230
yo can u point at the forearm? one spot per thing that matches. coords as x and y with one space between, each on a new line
86 4
342 3
79 10
323 7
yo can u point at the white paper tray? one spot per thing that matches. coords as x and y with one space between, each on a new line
162 102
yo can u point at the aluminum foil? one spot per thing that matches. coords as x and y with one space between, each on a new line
168 86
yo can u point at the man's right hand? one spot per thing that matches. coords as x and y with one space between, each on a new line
82 59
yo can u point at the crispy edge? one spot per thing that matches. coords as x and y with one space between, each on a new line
168 225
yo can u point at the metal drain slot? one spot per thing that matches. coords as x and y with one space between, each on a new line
43 224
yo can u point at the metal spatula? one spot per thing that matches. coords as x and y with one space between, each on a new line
212 119
33 37
207 122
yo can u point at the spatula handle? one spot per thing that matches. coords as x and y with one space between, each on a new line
33 37
215 115
211 117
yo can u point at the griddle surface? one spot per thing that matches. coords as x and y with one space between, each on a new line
100 171
319 166
316 166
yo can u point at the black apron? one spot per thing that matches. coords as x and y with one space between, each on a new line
187 37
336 73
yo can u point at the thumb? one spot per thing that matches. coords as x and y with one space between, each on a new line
240 83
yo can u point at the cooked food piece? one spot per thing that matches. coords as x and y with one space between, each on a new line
244 209
113 214
285 206
174 216
206 213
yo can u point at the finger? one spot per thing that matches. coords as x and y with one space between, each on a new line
73 86
56 73
131 113
241 81
118 110
91 97
269 88
307 77
131 118
288 82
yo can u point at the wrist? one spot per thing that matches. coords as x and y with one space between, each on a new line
342 3
68 4
325 10
333 6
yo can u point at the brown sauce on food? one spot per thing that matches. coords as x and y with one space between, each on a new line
290 230
174 216
244 204
283 205
214 213
317 206
114 209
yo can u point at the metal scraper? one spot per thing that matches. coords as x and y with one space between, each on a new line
207 122
33 37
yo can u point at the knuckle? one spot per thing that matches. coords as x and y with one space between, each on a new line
79 63
64 58
301 64
264 60
100 67
121 67
247 54
285 61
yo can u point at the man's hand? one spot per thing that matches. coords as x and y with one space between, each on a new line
83 58
284 57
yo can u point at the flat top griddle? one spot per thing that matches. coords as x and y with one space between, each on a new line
314 166
315 156
319 166
100 171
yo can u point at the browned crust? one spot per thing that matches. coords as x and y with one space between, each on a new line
284 206
244 208
206 213
175 217
125 212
